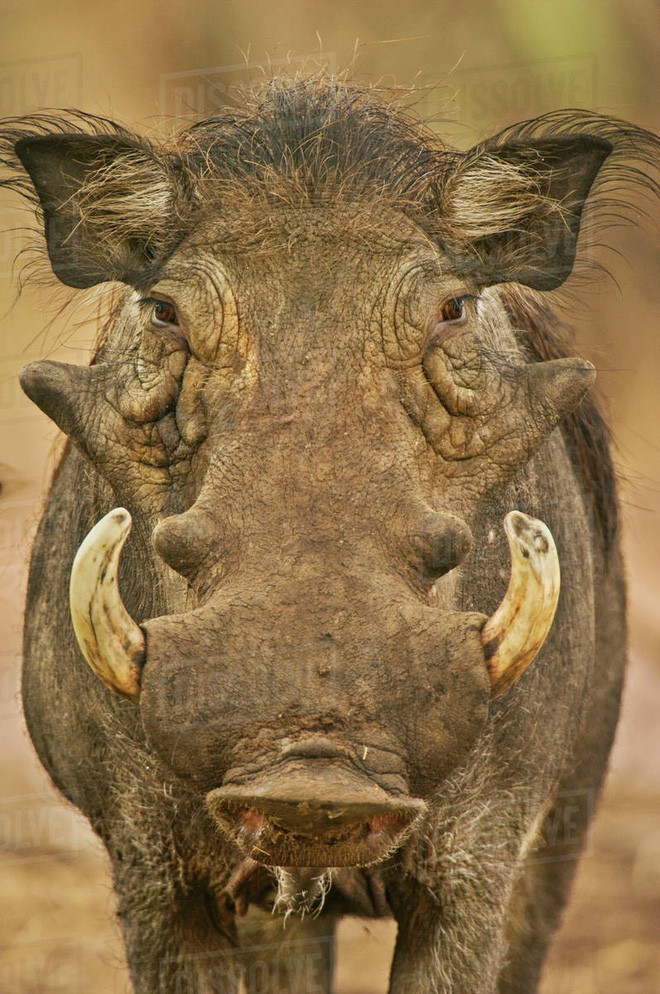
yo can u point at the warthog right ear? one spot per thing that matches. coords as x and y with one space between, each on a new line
516 208
110 204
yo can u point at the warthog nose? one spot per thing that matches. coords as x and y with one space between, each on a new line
321 811
316 748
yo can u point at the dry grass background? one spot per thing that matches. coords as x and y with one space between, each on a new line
486 65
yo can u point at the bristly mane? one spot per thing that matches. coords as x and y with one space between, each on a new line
317 141
332 140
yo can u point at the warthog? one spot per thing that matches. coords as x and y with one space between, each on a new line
329 393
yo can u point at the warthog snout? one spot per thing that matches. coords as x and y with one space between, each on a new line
314 813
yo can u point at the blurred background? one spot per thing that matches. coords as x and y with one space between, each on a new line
470 68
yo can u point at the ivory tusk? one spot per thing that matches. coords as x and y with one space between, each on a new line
111 642
513 635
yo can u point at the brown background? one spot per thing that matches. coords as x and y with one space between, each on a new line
480 66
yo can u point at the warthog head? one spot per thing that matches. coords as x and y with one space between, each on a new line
304 399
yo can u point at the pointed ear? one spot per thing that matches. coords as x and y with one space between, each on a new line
109 204
513 211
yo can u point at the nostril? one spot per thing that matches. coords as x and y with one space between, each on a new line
250 820
385 823
316 748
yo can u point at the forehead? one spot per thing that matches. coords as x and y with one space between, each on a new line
257 237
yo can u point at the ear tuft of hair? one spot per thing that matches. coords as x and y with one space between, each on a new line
551 177
112 204
516 208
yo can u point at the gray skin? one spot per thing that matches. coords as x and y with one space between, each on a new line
308 454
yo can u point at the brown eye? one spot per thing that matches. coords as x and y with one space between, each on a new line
163 313
453 310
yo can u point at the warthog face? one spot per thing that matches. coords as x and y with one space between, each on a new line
303 398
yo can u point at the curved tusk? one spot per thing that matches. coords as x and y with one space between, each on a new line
111 642
513 635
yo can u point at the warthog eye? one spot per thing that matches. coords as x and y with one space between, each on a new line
453 309
163 312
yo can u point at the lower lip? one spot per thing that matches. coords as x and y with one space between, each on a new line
252 823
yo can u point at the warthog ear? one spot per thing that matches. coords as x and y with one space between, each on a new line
513 210
109 204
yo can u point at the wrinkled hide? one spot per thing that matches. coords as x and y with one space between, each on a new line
318 682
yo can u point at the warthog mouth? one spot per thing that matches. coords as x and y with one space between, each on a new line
319 814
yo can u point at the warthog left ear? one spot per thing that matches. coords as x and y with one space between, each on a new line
110 204
513 211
